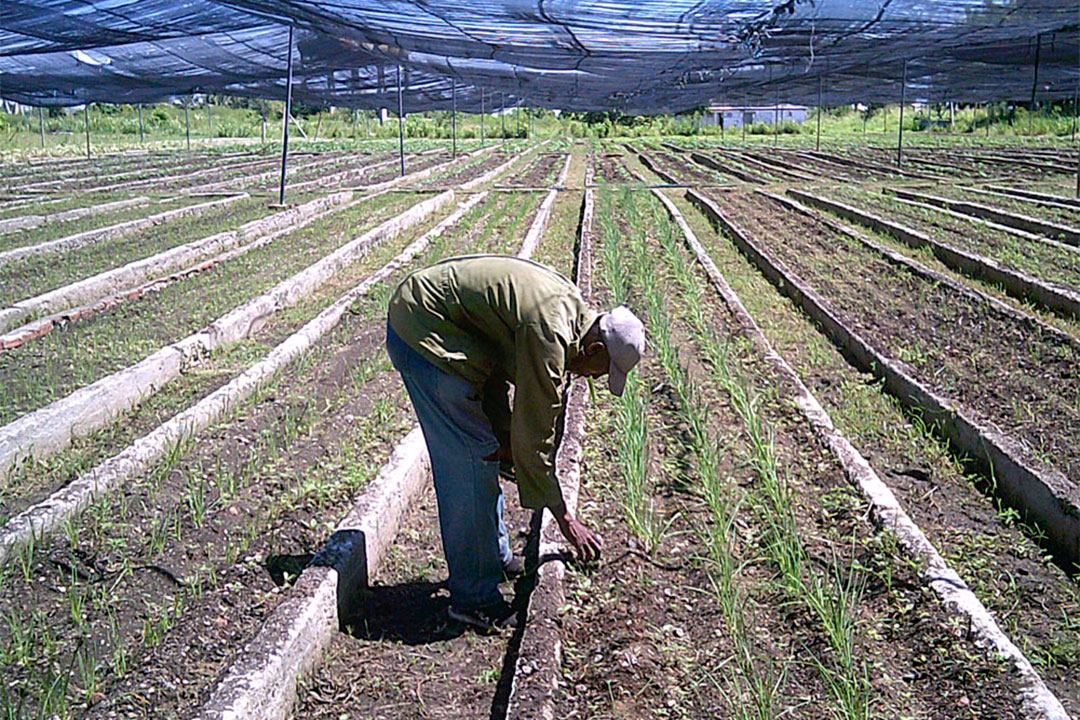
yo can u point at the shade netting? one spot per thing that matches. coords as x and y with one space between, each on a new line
624 55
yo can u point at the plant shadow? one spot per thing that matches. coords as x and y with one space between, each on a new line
411 613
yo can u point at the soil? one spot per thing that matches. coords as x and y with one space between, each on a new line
1069 216
463 175
610 169
683 170
301 451
541 172
644 635
1031 597
940 333
1042 260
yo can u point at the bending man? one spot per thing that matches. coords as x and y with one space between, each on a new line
460 333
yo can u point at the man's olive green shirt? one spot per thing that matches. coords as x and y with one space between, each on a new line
489 319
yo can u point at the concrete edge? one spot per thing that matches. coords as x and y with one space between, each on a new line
113 232
712 164
1043 494
20 222
1017 283
262 682
1037 701
536 230
1016 220
46 516
50 429
1056 199
538 663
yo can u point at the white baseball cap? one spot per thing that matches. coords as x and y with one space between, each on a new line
624 337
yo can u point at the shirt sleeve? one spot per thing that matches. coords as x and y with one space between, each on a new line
540 359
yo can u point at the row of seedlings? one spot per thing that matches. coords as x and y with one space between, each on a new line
179 309
373 668
207 514
741 576
965 346
1041 271
676 170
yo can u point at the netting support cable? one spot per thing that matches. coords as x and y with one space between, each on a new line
453 118
187 125
819 111
86 122
41 124
400 123
900 136
285 118
481 117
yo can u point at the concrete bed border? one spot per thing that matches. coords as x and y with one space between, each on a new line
711 163
536 230
137 272
136 182
112 232
42 326
539 657
27 222
1030 194
50 429
1043 493
1022 222
138 457
261 684
1036 700
1017 283
753 161
1024 198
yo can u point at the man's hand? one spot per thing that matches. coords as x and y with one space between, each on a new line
585 543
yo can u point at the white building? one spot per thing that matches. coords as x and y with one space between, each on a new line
735 116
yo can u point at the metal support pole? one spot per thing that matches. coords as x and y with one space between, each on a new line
141 137
744 122
776 119
502 115
1034 82
262 115
209 118
988 108
400 123
41 124
453 118
819 110
86 122
481 117
285 119
1076 96
900 138
187 125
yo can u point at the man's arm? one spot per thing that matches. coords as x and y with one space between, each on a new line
540 363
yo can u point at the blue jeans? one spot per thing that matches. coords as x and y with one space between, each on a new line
458 436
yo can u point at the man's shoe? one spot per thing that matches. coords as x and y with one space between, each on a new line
490 618
514 568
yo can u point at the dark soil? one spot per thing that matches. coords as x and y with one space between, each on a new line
683 170
1030 596
541 172
643 633
610 169
943 335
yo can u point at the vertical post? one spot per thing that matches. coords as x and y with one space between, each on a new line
86 122
1076 96
1034 82
743 122
285 118
141 137
502 115
453 118
400 123
41 124
885 119
187 125
209 118
776 118
988 108
262 116
819 110
318 124
952 115
481 117
900 138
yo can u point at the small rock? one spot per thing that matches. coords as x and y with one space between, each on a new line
964 701
598 658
